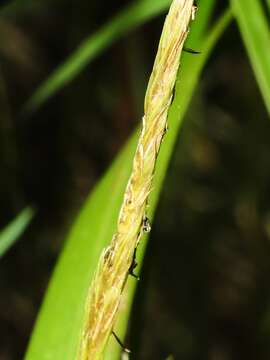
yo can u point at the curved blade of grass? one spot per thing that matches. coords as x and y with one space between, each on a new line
187 79
133 16
59 323
255 31
14 230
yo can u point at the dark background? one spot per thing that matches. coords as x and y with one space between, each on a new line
205 289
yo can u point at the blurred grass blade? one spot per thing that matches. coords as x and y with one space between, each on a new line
60 320
255 31
188 77
133 16
11 7
14 230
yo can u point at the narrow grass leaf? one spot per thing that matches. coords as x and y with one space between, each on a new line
133 16
255 31
58 327
14 230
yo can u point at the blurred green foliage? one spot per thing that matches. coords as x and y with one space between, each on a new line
12 232
256 35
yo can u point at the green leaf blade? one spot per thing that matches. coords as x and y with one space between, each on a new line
255 31
14 230
63 308
130 18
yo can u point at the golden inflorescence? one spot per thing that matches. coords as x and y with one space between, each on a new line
117 260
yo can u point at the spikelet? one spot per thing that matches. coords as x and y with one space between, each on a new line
115 262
